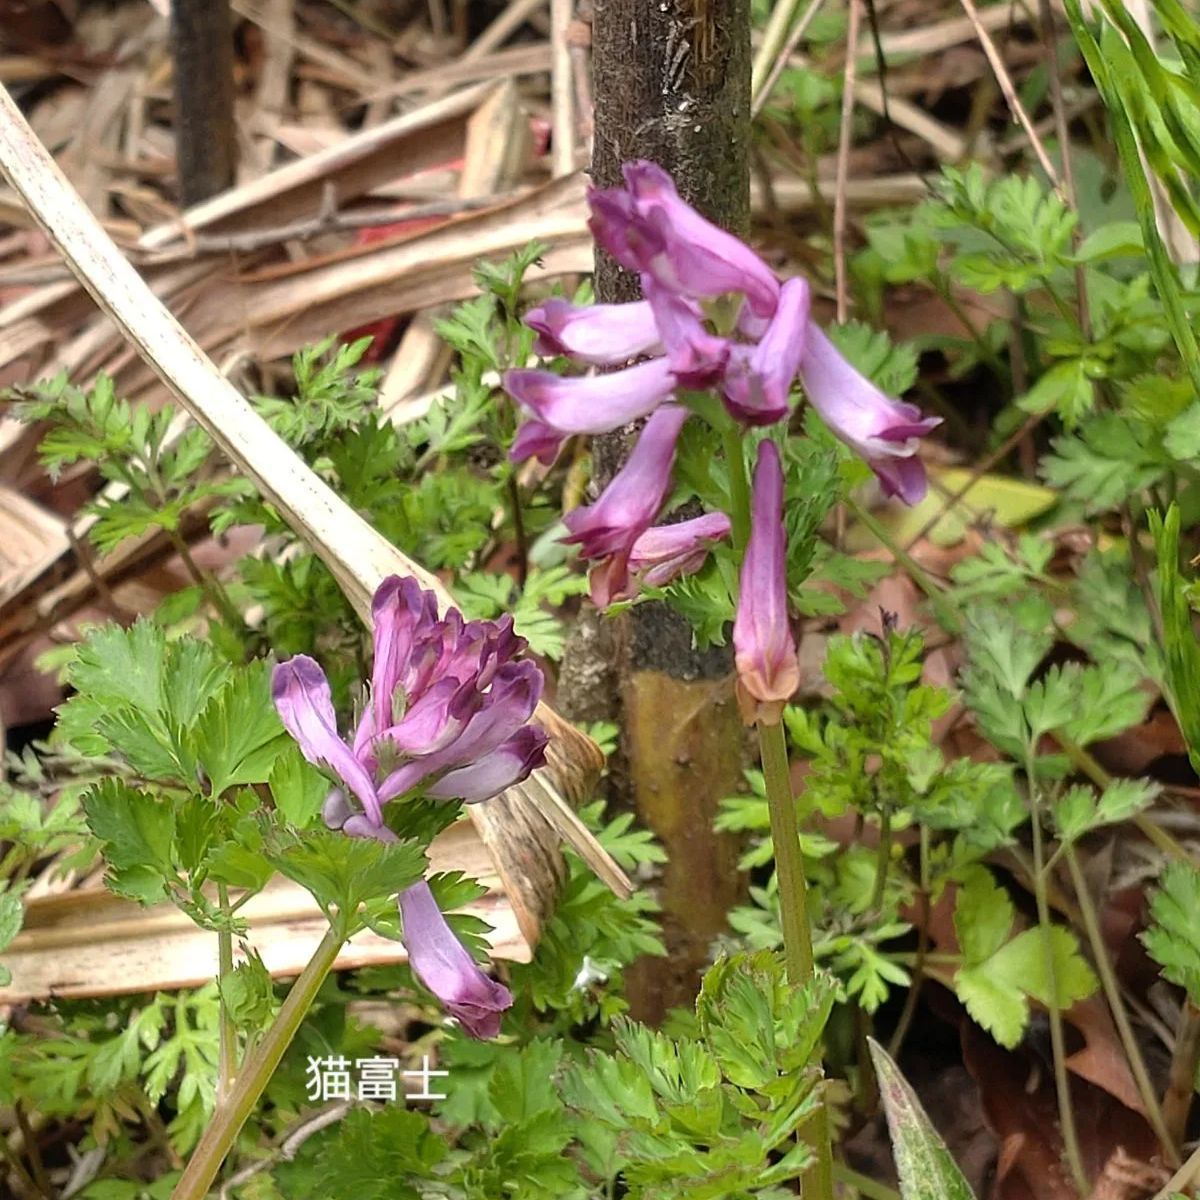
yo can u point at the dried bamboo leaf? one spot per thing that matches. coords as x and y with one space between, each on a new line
403 146
88 942
355 553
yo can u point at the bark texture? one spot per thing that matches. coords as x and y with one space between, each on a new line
202 49
672 85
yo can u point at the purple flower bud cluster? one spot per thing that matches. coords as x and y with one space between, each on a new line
448 717
684 260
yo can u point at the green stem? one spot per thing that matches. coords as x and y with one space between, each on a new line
773 40
943 287
519 534
739 488
864 1185
797 935
918 971
947 614
1112 993
883 857
227 1031
1086 763
789 861
1062 1083
256 1073
207 583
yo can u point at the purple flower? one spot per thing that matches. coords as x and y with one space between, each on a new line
442 963
608 529
536 439
697 357
513 760
883 431
448 714
605 335
305 706
764 649
647 227
487 727
759 378
665 552
586 404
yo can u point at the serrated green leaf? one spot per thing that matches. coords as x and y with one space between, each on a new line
1116 239
249 994
138 832
522 1085
983 916
994 1004
344 872
1171 939
297 788
238 736
12 915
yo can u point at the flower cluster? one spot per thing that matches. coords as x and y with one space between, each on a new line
448 717
684 260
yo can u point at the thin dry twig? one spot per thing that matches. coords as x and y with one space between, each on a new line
562 92
1009 91
288 1146
327 221
1063 134
762 93
845 137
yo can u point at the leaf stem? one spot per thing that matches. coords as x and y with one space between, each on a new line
519 534
256 1073
1085 762
943 606
864 1185
739 488
918 971
797 935
883 857
1112 993
1062 1083
227 1047
1181 1078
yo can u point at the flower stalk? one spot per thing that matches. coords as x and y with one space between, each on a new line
797 934
256 1073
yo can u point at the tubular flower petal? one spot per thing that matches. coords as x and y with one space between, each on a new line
760 377
626 508
536 439
336 810
647 227
883 431
509 763
305 706
441 962
764 649
592 403
605 335
665 552
697 357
